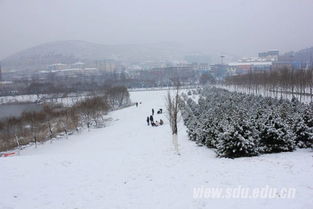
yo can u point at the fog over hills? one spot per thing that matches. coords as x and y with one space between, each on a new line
71 51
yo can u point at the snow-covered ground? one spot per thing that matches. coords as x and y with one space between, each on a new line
131 165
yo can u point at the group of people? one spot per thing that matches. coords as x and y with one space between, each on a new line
151 121
137 104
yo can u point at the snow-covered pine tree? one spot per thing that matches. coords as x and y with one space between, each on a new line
210 131
192 128
239 138
307 124
304 135
308 115
276 136
236 141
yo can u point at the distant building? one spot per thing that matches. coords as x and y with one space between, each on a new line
194 65
288 64
79 65
269 55
165 75
203 66
106 65
245 67
291 61
219 71
57 66
264 61
134 68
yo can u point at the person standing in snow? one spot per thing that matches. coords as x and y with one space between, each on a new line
151 119
136 104
148 121
152 111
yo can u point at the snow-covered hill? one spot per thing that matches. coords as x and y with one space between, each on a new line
131 165
71 51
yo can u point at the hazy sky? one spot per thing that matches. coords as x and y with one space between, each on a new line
241 27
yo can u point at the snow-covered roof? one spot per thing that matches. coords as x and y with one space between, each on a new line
250 63
58 64
78 63
5 82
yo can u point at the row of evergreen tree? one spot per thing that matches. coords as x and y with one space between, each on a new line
239 125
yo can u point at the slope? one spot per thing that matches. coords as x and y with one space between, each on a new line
131 165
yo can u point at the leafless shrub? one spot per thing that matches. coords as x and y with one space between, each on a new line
54 119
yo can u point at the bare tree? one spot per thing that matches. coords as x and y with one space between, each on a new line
35 121
118 96
277 82
172 113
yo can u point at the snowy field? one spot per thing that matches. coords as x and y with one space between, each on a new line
130 165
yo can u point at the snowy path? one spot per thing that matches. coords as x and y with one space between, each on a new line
131 165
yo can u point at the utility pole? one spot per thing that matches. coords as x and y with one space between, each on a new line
0 72
222 59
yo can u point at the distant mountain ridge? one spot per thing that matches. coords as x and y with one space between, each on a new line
67 52
71 51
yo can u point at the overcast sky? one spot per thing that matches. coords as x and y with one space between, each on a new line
241 27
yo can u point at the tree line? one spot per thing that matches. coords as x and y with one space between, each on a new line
298 83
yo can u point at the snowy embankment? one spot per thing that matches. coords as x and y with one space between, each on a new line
130 165
67 100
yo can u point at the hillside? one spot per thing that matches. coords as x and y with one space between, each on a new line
72 51
131 165
304 56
